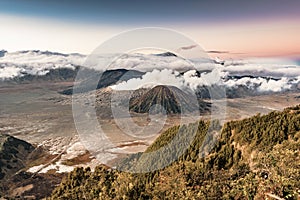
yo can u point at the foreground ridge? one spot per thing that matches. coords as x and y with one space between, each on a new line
254 158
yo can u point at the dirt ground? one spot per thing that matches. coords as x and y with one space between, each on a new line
37 113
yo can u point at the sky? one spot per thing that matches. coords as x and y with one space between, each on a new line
231 28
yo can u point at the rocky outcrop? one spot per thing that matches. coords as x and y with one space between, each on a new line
13 155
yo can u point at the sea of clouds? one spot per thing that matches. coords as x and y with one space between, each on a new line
262 74
191 80
39 63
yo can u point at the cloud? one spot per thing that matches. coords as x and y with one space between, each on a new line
218 76
188 47
39 62
151 79
261 84
189 79
9 72
274 86
36 63
206 79
217 52
257 74
264 67
147 63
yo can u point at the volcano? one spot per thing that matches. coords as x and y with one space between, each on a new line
172 99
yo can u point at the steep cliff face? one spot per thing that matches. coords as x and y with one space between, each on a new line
13 155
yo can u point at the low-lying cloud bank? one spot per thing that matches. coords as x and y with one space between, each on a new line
263 75
260 74
150 79
39 63
191 80
218 76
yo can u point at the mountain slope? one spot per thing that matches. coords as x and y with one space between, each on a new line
13 155
15 183
255 158
105 79
172 99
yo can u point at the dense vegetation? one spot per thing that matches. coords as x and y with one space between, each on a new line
255 158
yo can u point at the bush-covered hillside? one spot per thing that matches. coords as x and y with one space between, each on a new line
255 158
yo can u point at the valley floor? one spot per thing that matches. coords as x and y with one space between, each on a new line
38 114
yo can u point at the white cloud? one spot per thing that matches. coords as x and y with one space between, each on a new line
171 77
264 67
149 62
36 63
217 76
206 79
9 72
162 70
274 86
156 77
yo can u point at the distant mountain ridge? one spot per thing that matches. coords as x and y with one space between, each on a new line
96 80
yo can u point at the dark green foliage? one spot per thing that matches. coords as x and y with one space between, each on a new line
265 131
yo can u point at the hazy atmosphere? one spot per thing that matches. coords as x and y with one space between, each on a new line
157 100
